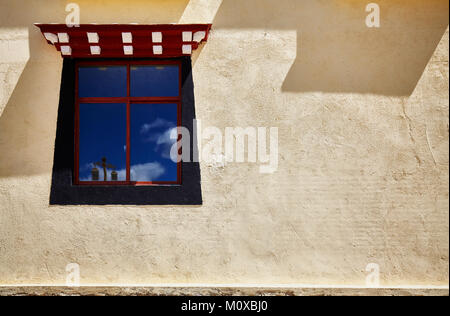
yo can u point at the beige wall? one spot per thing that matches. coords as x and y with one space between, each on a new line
363 143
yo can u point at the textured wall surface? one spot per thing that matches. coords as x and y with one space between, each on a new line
363 171
214 291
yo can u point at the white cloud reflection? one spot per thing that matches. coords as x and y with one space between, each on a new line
146 172
140 172
159 122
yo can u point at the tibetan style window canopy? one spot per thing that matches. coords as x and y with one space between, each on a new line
125 40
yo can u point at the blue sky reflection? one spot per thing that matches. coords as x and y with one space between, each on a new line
151 126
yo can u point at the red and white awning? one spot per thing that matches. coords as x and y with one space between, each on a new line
125 40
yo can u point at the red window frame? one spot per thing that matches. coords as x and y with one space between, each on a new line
128 100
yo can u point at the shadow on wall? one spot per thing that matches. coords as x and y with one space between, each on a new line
28 121
337 52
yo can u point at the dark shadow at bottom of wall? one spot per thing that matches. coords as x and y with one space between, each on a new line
217 291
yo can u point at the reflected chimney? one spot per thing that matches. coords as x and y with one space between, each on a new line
95 174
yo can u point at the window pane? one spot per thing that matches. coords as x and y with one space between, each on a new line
154 81
103 130
110 81
151 143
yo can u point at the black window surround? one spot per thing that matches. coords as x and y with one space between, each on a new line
65 192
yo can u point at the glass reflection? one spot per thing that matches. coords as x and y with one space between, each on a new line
102 152
154 81
153 132
110 81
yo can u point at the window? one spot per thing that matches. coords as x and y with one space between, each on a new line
126 120
119 109
117 102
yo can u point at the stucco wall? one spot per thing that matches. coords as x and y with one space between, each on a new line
363 150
